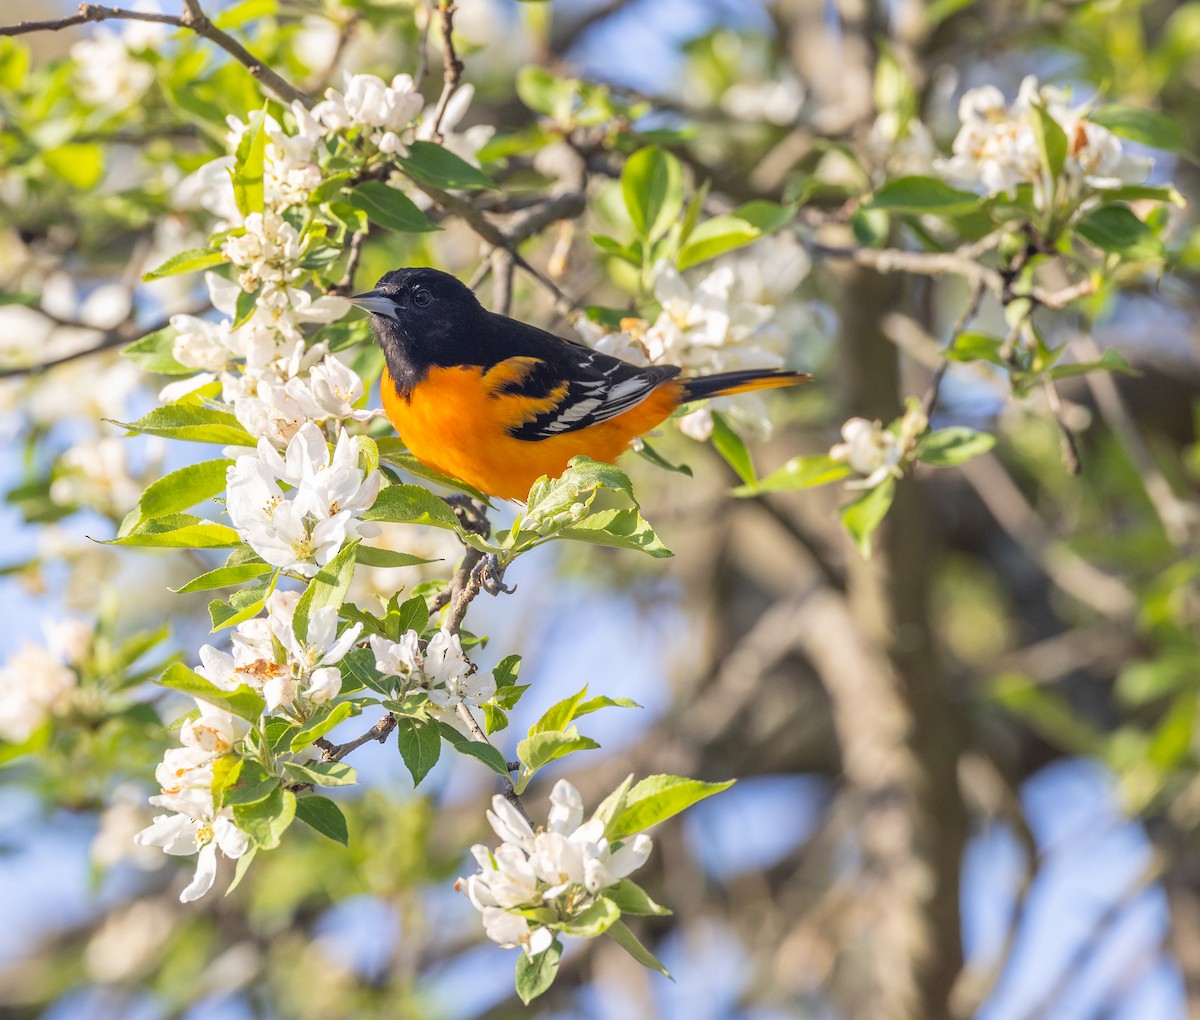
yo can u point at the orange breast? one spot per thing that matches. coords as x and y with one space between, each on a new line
457 422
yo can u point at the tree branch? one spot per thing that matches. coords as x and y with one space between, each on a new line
192 18
336 752
452 68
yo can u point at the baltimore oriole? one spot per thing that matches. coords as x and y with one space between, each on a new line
498 403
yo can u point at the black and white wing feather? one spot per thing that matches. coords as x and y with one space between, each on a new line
597 387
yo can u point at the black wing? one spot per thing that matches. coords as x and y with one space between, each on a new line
598 386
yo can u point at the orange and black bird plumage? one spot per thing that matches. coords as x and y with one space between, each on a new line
498 403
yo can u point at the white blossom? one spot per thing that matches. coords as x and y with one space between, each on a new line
381 111
35 684
876 452
564 866
303 528
442 670
997 148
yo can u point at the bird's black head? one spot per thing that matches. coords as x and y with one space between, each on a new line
424 317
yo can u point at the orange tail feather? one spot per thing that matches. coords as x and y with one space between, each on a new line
745 381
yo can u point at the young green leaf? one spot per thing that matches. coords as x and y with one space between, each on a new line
652 184
1114 228
657 798
155 352
322 773
866 513
242 701
327 590
954 445
631 898
389 208
480 749
179 531
621 529
324 815
437 165
265 821
624 938
1154 129
225 577
411 504
249 168
732 447
323 724
798 473
190 261
535 975
183 488
923 195
248 783
191 422
420 744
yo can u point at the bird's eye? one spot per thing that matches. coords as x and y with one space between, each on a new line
421 298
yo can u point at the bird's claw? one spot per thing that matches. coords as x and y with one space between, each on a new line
490 575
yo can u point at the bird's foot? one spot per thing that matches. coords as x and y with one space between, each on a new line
490 575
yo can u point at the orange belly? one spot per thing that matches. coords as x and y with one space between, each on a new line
457 422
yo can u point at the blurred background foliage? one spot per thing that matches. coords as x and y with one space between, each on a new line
968 766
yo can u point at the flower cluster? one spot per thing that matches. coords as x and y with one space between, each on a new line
561 869
997 147
442 671
301 529
381 113
308 668
725 321
37 682
194 825
877 452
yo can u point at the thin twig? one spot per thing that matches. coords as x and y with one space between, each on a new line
968 313
423 47
379 733
452 68
1069 447
125 333
346 284
192 18
502 281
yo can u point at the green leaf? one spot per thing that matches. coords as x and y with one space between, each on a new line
183 488
154 352
1051 139
358 667
411 614
242 605
243 865
1154 129
798 473
544 93
411 504
387 207
480 749
658 460
1140 683
535 975
266 820
225 577
559 715
593 920
603 701
624 938
190 261
372 556
324 815
193 423
327 590
923 195
1110 361
866 513
248 169
657 798
179 531
631 898
972 346
323 773
539 750
1114 228
248 783
652 185
434 164
730 446
420 743
80 164
242 701
506 671
620 529
714 237
322 725
954 445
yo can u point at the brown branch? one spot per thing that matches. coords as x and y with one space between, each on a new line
452 68
345 285
379 733
192 18
125 333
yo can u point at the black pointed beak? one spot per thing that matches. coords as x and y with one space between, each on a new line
376 303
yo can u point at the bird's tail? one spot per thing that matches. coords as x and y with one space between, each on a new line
744 381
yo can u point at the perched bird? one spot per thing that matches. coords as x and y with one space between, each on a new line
497 403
